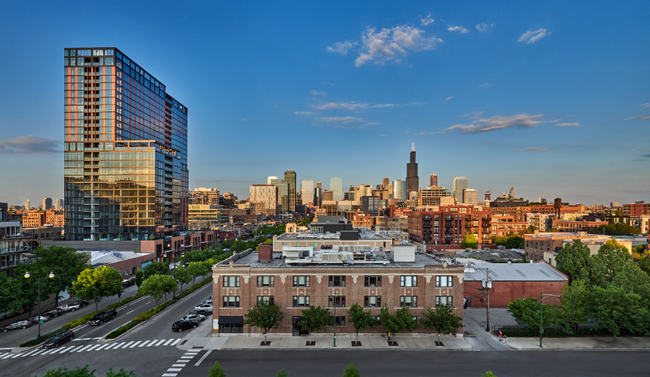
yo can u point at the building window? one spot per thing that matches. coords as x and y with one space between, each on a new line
231 281
301 281
265 281
340 320
443 300
408 281
231 329
408 301
300 301
268 299
336 301
372 301
230 301
337 281
372 281
444 281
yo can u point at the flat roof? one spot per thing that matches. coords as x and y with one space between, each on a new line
539 271
364 234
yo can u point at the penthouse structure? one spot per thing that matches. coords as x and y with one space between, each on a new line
329 235
303 276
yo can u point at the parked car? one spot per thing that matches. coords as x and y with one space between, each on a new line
205 312
184 324
81 303
69 307
17 325
194 316
128 282
58 339
102 317
42 319
54 312
204 306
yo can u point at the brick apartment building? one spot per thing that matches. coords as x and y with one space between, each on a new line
303 276
636 209
540 242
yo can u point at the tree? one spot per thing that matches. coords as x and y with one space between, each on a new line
640 251
361 319
619 229
574 299
182 275
644 264
97 283
613 256
469 241
402 320
157 285
527 311
196 269
314 319
613 308
216 371
442 319
351 371
9 295
264 315
282 373
575 260
156 268
139 277
488 374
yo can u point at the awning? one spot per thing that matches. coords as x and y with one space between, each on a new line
229 320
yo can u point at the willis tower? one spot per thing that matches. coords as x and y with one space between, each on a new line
412 179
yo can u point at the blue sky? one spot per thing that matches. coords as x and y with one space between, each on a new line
549 97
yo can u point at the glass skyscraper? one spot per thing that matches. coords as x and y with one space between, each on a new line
125 150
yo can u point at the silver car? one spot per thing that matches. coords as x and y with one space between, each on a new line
194 317
17 325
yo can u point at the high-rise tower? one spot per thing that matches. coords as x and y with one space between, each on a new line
412 179
434 179
460 183
290 179
336 185
125 149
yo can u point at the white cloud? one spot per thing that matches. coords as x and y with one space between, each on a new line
495 123
340 119
459 29
639 117
316 93
646 105
303 112
483 27
393 44
29 144
532 150
576 124
341 48
354 106
427 21
533 36
485 85
448 98
382 135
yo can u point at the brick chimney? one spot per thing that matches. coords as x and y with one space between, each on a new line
265 252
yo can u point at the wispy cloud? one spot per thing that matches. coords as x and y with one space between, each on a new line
341 48
304 112
495 123
226 180
339 119
448 98
29 144
483 27
392 44
532 150
576 124
639 117
533 36
354 106
646 105
485 85
245 120
427 20
459 29
382 135
316 93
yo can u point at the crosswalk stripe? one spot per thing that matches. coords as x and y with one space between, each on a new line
84 348
93 347
126 344
112 345
178 365
57 350
28 353
36 353
174 369
169 341
72 349
48 351
176 342
8 355
135 344
103 346
15 356
187 357
170 374
145 343
161 341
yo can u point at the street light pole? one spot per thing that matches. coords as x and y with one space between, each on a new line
38 318
334 319
541 308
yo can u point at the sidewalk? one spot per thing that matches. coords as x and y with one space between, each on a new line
586 343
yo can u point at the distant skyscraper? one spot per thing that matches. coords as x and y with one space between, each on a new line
434 179
370 205
290 179
58 204
307 191
283 194
470 196
319 185
460 184
125 150
270 178
336 186
28 205
264 198
399 190
47 204
412 179
385 183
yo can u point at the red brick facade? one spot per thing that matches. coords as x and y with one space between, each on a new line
504 292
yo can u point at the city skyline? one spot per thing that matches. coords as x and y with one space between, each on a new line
547 98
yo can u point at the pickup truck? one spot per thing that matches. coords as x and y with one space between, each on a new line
69 307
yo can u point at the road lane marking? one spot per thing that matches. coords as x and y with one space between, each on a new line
174 369
146 342
84 348
97 349
202 358
187 357
59 350
167 342
112 345
47 352
178 365
126 344
176 342
28 353
93 347
6 349
135 344
170 374
72 349
160 342
130 312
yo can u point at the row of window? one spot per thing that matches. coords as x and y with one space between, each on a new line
338 281
339 301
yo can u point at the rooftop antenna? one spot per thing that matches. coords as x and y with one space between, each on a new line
412 147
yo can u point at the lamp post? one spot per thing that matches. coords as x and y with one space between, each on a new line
334 319
541 327
27 275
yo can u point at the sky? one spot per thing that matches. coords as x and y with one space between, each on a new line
550 98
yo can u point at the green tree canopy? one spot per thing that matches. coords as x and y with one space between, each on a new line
574 299
644 264
361 319
402 320
139 277
619 229
64 262
264 315
197 269
96 283
575 260
282 373
469 241
442 319
182 275
613 308
157 285
351 371
156 268
314 319
527 311
216 371
614 256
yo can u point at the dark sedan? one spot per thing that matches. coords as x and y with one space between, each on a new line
58 339
184 325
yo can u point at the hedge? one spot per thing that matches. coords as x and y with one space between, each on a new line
527 332
150 313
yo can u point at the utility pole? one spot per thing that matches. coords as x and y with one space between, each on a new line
487 286
335 319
